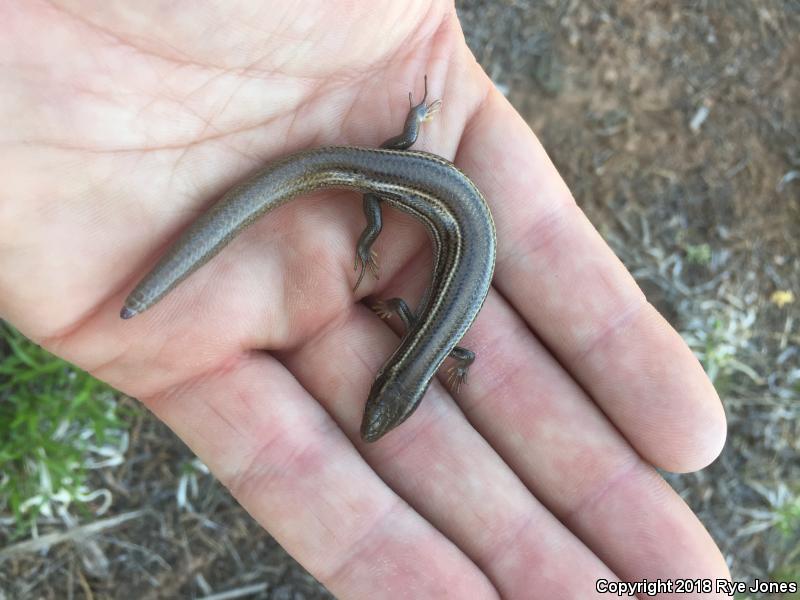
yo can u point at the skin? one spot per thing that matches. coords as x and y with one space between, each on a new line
121 124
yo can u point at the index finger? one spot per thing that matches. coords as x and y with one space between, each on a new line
577 296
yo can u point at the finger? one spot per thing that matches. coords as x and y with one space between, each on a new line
575 294
573 459
447 471
290 466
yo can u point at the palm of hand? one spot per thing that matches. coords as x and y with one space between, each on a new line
123 125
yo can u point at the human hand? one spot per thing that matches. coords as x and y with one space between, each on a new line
122 123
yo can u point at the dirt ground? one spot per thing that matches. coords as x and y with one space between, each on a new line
677 127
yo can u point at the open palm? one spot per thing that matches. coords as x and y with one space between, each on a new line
123 121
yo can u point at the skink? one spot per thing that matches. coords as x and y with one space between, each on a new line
424 185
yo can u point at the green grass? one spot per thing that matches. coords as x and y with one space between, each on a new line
699 254
789 525
56 423
789 517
